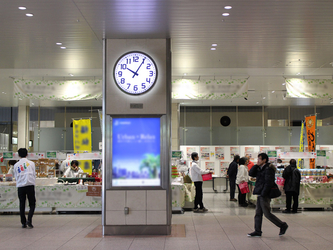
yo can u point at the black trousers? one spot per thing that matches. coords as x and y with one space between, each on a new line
241 197
23 193
263 208
292 195
198 195
232 187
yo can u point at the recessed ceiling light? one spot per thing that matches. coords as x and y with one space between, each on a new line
62 47
22 8
227 7
225 14
70 74
29 14
257 102
298 73
273 91
264 98
284 83
212 48
185 74
214 44
58 43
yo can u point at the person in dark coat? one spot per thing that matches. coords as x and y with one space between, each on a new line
265 179
232 174
292 182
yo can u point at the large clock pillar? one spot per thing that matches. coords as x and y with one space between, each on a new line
136 137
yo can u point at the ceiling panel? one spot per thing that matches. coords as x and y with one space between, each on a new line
261 39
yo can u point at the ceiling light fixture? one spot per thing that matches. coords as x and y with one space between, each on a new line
185 74
29 14
228 7
225 14
298 73
264 98
257 102
58 43
62 47
212 48
214 44
70 74
283 83
273 91
22 8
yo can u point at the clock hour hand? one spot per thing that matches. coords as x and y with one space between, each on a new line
133 72
136 73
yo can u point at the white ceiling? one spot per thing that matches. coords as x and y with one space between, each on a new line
265 40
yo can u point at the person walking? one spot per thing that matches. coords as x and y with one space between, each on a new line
25 176
265 179
232 174
196 175
242 176
291 187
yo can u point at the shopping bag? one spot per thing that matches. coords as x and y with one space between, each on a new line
280 181
274 192
244 188
207 177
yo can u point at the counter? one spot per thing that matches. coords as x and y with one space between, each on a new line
59 197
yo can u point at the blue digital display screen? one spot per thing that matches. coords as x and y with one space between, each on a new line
136 152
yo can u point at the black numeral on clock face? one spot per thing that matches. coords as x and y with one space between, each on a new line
123 66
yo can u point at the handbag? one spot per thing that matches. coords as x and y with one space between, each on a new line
244 188
274 192
207 177
280 181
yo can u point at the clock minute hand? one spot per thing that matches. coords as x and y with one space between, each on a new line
133 71
136 73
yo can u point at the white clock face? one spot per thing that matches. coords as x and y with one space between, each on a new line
135 73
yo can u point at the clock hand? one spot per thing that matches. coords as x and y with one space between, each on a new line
136 73
133 71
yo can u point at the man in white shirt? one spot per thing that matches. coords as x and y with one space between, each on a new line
25 176
196 175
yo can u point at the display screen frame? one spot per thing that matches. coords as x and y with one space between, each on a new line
110 158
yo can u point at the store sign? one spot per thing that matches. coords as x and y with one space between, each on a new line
58 90
94 191
272 153
209 89
321 153
309 88
51 155
176 154
7 155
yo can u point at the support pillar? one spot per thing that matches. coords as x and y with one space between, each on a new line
175 116
23 127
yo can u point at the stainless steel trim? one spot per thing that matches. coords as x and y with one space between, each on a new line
137 230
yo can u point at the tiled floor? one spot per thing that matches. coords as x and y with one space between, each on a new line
225 226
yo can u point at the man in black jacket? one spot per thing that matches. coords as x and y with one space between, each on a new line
292 181
265 178
232 174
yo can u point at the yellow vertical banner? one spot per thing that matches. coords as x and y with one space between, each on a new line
301 146
82 141
310 123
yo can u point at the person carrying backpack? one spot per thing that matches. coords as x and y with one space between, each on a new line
291 187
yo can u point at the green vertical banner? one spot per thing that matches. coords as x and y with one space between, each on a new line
82 141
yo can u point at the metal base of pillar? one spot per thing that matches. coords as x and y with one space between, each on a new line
137 230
